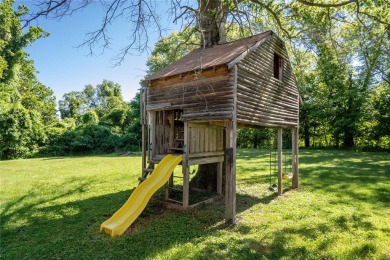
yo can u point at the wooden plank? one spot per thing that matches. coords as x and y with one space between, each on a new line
201 140
260 88
270 123
207 201
216 139
212 117
197 140
266 115
220 146
265 108
152 134
205 154
159 106
280 159
248 78
192 139
207 140
197 161
265 67
191 76
171 134
250 123
207 125
213 142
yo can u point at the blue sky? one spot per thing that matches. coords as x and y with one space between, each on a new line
63 67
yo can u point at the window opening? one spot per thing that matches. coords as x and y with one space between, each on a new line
278 67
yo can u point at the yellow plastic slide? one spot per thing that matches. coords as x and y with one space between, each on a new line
129 212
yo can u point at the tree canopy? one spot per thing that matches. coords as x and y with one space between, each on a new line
339 50
26 105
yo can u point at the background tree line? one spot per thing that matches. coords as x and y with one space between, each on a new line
94 120
339 53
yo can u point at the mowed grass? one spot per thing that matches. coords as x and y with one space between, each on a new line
52 208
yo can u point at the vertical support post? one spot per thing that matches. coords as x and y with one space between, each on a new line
219 178
152 136
185 168
295 152
230 159
230 166
280 159
144 128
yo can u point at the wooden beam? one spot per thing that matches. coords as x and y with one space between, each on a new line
144 127
161 106
205 154
207 160
152 136
295 148
280 159
185 169
230 163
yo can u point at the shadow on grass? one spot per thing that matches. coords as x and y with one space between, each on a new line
358 177
44 229
71 230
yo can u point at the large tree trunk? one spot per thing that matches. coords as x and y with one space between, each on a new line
212 22
206 177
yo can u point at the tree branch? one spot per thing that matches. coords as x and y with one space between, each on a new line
327 5
274 15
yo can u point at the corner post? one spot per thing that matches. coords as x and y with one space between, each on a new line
295 158
280 159
230 171
230 158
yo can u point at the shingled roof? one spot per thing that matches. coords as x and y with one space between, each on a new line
201 58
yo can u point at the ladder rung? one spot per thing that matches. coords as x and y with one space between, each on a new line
148 170
141 178
180 202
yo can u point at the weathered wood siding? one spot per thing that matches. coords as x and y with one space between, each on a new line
205 96
205 143
263 100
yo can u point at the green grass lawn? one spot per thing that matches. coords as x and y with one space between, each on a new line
51 208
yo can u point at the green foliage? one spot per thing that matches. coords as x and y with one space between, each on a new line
256 138
13 40
54 207
87 138
26 105
90 117
171 48
102 122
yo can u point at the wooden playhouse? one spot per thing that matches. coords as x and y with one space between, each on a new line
195 105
